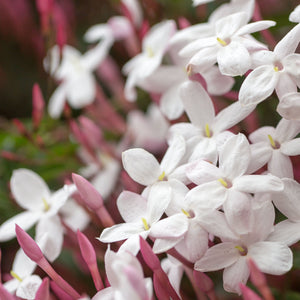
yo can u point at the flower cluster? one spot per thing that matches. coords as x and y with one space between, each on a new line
193 185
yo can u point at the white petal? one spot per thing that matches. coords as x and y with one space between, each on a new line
280 165
261 134
158 200
28 287
29 189
141 166
120 232
235 156
195 242
81 90
258 85
289 43
289 106
258 183
25 220
237 209
202 171
173 155
23 266
254 27
271 257
260 154
57 101
197 104
131 206
286 130
171 104
132 244
217 83
218 257
208 195
285 85
234 59
50 237
231 115
96 33
286 232
206 149
236 274
163 245
291 148
170 227
288 200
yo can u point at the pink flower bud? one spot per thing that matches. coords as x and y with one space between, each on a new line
202 281
248 294
29 246
38 104
4 294
87 192
43 291
89 256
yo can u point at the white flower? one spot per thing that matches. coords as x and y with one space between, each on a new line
142 218
274 146
32 194
229 46
77 83
154 46
23 283
277 70
232 254
125 275
144 168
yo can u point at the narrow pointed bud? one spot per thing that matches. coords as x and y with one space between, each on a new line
43 291
20 126
183 23
29 246
89 256
160 290
148 255
38 105
33 251
154 264
202 281
61 294
45 8
259 280
248 294
91 132
93 199
61 35
4 294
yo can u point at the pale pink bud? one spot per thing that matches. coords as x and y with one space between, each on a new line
91 131
148 255
89 256
87 192
183 23
203 282
38 104
60 293
248 294
29 246
4 294
43 291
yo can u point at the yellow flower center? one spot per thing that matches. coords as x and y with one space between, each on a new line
46 205
150 52
243 250
207 131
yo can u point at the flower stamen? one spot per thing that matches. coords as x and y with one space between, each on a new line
46 205
16 276
224 183
150 52
162 176
186 213
222 42
243 251
146 226
207 131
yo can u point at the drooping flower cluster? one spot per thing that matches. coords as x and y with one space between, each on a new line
184 176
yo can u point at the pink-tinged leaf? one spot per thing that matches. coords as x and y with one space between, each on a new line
29 246
248 294
43 291
87 192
